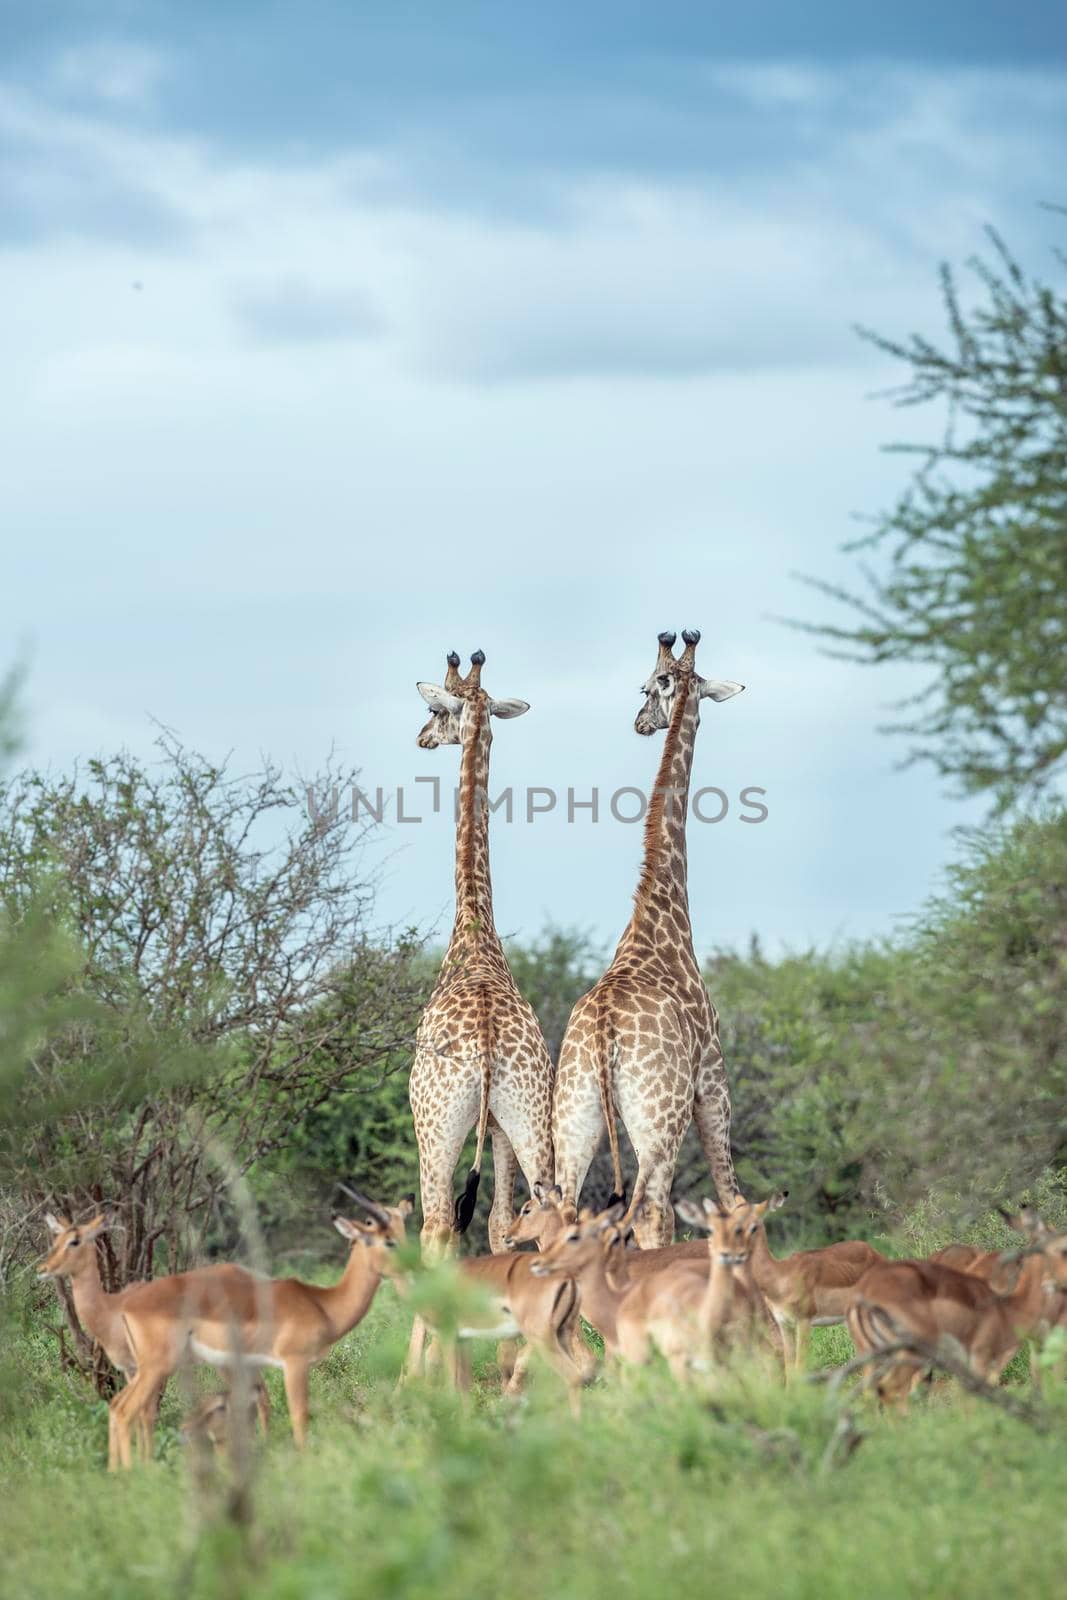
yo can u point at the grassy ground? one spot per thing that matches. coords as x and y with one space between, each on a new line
653 1492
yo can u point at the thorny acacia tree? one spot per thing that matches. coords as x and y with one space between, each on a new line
218 977
975 582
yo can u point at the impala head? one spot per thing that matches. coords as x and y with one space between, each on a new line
1045 1242
580 1243
676 675
73 1246
459 704
732 1231
539 1220
209 1422
381 1235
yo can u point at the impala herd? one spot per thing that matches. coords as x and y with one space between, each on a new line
699 1304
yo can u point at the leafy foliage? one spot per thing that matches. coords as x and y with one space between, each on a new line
191 975
874 1074
975 586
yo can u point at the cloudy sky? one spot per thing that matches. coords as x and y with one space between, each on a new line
343 334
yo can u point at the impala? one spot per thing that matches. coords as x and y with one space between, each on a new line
73 1256
223 1315
811 1288
930 1301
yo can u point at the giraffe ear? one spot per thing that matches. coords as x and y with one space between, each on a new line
439 699
508 708
719 688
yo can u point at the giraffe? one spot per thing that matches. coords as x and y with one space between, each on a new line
480 1057
644 1042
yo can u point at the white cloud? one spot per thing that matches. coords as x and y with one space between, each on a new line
117 73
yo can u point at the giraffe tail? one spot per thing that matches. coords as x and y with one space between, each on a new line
468 1200
604 1048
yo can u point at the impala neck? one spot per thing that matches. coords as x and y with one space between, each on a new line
718 1298
662 899
349 1300
91 1299
767 1270
1027 1299
602 1294
474 932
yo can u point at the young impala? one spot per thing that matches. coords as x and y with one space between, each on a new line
225 1314
209 1424
811 1288
985 1322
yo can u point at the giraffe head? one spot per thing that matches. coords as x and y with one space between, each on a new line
458 706
676 675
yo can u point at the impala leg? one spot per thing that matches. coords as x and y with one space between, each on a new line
801 1345
295 1373
262 1407
133 1406
789 1350
514 1381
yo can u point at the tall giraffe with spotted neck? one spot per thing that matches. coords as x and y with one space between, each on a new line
480 1057
644 1042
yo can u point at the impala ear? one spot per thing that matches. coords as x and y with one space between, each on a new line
407 1205
554 1195
777 1201
439 699
508 708
719 688
538 1192
691 1215
54 1224
1029 1222
95 1225
354 1232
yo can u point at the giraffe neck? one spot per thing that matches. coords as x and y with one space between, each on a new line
474 932
662 898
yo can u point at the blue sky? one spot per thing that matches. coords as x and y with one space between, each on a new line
338 336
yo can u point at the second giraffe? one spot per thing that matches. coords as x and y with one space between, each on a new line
644 1042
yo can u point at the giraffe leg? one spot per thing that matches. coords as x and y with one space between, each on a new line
438 1158
653 1219
505 1167
711 1113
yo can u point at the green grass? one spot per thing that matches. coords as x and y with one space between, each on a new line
652 1493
